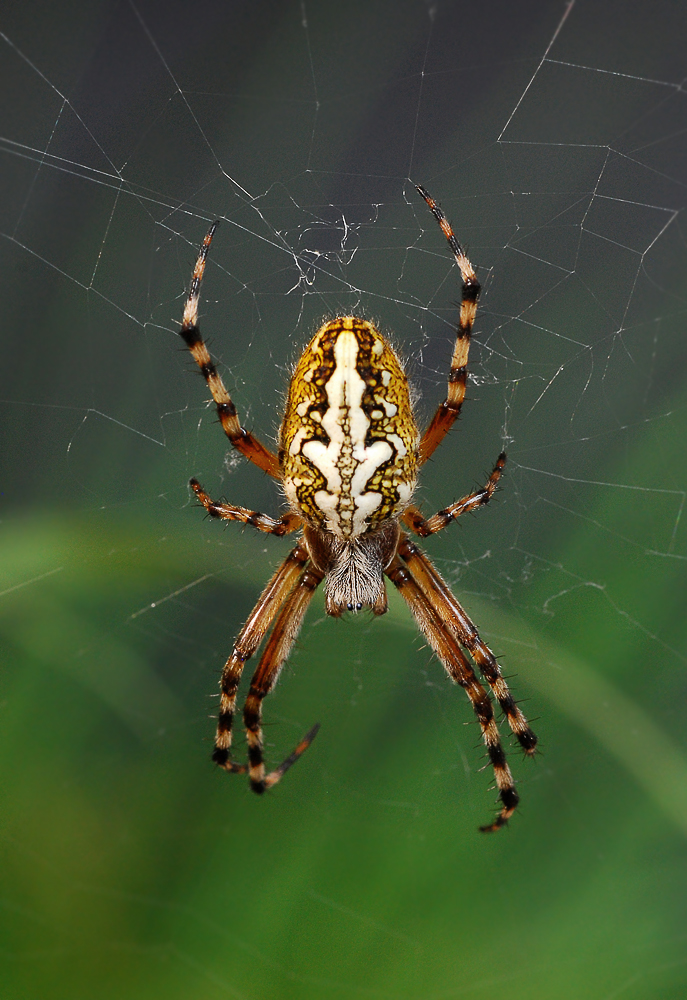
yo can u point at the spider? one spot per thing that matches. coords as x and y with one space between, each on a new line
349 453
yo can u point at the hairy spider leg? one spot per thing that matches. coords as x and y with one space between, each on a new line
241 439
413 518
283 525
448 651
251 635
449 410
279 645
435 588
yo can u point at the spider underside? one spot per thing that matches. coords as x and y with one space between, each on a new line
349 452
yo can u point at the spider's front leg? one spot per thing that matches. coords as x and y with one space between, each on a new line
242 440
429 526
449 410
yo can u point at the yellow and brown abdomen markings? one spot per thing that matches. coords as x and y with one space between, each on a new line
386 403
348 439
305 406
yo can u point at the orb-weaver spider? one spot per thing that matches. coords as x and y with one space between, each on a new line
349 451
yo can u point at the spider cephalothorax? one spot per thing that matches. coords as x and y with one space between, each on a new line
349 452
353 568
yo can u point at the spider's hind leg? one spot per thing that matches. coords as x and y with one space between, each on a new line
250 637
446 648
279 645
435 588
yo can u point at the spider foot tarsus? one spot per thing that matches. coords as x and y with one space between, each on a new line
221 757
510 798
516 720
259 781
528 742
274 776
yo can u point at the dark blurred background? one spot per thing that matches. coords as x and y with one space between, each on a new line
557 146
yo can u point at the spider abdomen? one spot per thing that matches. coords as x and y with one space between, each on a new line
348 439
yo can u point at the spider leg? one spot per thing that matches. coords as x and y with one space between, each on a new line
279 645
416 522
436 590
263 522
242 439
250 637
448 651
449 410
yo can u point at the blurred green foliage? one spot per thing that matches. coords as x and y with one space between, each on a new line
132 863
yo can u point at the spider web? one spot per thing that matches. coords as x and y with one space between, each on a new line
554 136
